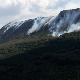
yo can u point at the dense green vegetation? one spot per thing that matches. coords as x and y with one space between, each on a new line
41 57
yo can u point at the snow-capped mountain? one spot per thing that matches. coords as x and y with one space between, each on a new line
65 22
14 25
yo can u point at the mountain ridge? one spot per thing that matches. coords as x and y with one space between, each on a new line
65 22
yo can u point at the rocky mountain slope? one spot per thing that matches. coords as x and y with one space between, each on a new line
65 22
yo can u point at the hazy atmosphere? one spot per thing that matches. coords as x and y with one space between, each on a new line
17 10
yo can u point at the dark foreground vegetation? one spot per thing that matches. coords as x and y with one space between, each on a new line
41 58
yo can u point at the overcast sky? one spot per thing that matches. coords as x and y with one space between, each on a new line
17 10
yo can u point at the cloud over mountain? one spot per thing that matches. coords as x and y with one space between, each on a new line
11 10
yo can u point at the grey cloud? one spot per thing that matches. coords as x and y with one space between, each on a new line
62 4
10 11
58 4
34 8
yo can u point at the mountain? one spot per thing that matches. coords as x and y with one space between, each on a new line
65 22
30 53
41 59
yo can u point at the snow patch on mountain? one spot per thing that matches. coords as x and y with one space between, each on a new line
14 25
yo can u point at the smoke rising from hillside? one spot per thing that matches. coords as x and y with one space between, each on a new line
71 28
38 23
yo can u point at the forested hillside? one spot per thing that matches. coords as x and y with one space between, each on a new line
41 58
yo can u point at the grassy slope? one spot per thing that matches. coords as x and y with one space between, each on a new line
41 58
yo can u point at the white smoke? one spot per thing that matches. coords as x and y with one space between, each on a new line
57 34
34 28
66 23
72 28
38 23
58 25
